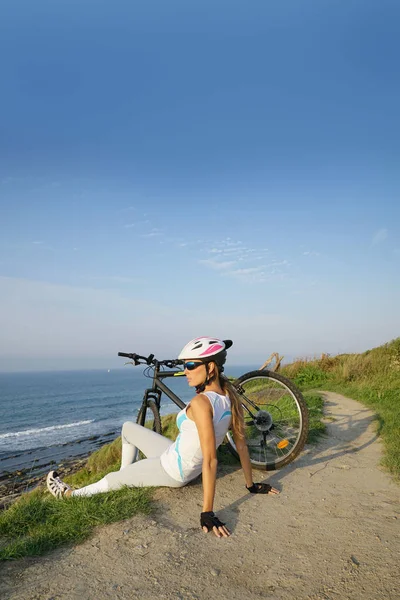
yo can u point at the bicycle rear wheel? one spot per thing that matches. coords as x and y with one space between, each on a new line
149 416
276 419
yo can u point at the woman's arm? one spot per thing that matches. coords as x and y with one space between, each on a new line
243 451
201 412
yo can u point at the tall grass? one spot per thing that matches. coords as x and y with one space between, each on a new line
372 377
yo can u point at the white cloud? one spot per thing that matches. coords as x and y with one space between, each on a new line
136 224
153 233
249 274
236 253
279 263
116 279
248 271
41 244
216 265
379 236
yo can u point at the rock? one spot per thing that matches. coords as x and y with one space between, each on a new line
354 561
215 572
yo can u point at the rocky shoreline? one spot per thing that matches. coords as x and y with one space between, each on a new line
13 483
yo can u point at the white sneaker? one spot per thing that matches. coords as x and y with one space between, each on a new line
56 486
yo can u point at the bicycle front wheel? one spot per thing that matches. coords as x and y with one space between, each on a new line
149 416
275 417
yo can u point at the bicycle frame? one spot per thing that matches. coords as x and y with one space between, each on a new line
158 387
260 417
154 393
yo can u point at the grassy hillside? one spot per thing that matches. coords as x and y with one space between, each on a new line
37 523
372 377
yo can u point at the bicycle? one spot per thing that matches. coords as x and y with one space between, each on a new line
275 413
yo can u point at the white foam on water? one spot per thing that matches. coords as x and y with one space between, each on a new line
16 434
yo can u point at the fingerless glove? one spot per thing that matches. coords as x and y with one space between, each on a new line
259 488
209 520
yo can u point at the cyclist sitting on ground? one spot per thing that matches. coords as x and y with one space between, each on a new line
202 425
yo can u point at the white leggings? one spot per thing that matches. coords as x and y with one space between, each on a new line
147 472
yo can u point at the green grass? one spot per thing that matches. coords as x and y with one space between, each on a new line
38 523
372 377
385 403
315 405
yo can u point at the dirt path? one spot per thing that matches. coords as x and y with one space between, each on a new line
332 533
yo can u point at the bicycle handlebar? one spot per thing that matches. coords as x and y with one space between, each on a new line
149 360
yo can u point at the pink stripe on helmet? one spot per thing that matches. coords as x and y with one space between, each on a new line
212 349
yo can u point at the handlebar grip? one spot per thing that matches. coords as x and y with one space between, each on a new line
126 355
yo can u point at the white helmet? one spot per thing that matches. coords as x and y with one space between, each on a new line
204 348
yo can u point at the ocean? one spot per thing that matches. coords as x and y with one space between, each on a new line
46 418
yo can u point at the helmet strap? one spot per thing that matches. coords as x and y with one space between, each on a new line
202 386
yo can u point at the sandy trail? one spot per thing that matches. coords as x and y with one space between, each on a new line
333 532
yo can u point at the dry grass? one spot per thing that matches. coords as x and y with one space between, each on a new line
373 377
351 367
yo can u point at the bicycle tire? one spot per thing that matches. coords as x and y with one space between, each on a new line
263 390
149 418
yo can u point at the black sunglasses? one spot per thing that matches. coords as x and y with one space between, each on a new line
191 366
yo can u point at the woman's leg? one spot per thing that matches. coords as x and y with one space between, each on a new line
135 437
147 472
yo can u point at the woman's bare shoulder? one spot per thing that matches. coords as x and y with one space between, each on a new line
200 402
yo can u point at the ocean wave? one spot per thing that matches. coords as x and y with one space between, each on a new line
15 434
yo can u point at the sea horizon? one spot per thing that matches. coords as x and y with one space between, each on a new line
120 368
58 415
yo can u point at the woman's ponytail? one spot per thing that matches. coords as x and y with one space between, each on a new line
236 402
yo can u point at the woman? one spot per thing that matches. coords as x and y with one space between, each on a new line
202 425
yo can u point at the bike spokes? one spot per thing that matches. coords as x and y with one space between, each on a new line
273 419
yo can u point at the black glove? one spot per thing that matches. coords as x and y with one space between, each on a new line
209 520
259 488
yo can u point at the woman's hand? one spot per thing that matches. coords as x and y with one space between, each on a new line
209 521
261 488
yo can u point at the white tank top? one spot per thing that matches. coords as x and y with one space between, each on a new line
183 460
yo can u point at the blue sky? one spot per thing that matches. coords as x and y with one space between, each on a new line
175 169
